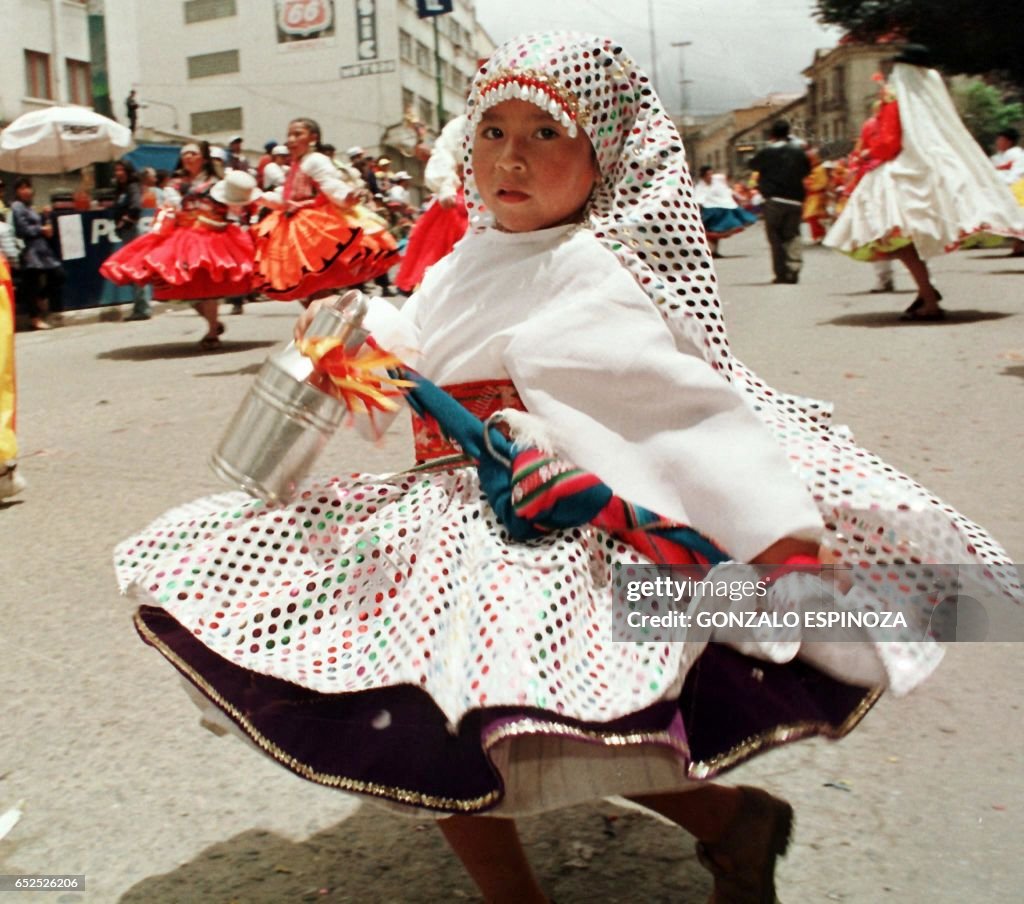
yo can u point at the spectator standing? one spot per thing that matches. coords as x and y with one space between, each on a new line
268 155
234 160
127 210
275 171
782 167
41 270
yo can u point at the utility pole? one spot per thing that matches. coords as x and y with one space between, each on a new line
683 81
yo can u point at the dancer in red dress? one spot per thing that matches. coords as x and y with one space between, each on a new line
194 252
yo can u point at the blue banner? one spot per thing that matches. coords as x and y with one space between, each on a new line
427 8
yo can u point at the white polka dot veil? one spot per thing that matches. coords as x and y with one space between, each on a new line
643 209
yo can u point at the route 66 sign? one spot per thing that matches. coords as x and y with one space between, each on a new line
305 17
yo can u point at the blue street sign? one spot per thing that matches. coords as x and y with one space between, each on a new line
427 8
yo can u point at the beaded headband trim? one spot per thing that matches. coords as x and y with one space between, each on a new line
536 87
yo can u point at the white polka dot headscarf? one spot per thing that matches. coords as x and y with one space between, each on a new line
643 209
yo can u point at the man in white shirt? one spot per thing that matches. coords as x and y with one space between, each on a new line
275 171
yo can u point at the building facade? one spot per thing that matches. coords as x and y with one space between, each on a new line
714 143
365 70
841 88
45 57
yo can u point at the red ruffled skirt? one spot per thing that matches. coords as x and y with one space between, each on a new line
320 247
186 262
433 236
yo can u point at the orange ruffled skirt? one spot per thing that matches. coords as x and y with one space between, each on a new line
186 262
318 248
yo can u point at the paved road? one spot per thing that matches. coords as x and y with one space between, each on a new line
922 803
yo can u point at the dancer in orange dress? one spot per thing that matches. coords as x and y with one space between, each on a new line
318 238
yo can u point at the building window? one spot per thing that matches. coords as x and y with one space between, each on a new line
423 56
408 101
204 10
426 112
79 83
37 75
206 64
229 120
405 46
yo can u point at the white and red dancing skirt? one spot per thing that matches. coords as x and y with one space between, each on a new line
187 259
300 253
433 236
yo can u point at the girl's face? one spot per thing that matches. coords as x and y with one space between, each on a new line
300 137
191 162
120 174
530 173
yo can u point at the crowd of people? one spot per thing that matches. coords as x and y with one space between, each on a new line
915 185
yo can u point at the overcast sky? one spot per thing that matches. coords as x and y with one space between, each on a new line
741 50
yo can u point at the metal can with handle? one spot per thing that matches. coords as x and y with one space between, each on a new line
285 420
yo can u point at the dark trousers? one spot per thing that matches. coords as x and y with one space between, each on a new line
782 225
39 291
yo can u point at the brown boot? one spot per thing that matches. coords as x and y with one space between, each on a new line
743 859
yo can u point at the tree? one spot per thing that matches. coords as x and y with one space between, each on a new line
963 35
984 111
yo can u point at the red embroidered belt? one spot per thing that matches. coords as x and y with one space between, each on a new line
481 398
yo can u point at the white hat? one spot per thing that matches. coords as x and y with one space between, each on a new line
218 154
279 149
400 176
234 138
237 187
355 151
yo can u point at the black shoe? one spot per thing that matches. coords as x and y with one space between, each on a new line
135 316
887 286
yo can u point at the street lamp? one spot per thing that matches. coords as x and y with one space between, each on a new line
683 82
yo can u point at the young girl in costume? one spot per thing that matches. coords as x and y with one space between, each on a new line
922 185
193 252
387 635
318 238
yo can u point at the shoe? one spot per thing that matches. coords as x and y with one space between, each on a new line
209 343
55 319
743 859
929 317
137 316
887 286
238 309
11 482
220 328
39 324
908 314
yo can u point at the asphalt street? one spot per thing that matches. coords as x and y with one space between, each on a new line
102 753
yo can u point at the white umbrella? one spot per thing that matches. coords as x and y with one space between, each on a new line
59 139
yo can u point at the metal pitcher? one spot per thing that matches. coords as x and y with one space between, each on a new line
285 421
